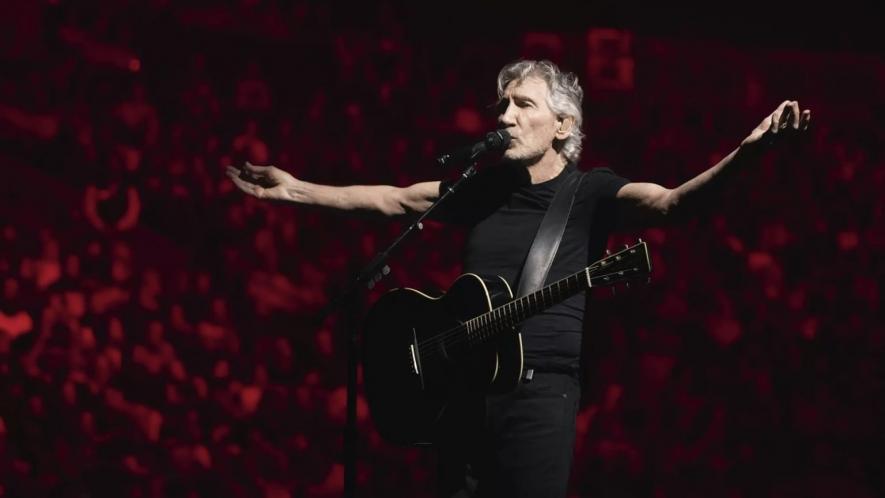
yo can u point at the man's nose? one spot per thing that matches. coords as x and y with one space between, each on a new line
506 118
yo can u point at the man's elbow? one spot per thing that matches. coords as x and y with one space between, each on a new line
669 207
394 203
412 200
678 208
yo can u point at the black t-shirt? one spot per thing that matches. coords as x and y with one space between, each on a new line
503 211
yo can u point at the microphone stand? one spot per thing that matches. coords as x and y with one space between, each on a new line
369 276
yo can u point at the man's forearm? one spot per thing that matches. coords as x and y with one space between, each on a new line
695 195
379 199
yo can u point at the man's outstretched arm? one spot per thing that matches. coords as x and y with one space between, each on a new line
272 183
649 204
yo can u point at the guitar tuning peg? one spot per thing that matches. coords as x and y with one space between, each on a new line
626 246
608 252
640 240
627 284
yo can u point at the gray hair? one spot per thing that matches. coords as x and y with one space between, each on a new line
564 97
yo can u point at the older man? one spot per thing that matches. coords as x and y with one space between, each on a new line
520 443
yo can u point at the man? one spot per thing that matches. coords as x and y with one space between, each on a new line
522 446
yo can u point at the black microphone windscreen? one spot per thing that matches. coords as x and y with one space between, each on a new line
497 140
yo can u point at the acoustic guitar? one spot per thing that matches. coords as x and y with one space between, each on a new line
419 352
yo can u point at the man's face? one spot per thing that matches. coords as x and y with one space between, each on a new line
524 113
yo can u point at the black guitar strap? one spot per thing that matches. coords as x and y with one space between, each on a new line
543 250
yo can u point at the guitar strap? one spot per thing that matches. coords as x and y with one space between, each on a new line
549 235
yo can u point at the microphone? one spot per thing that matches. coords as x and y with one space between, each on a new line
493 141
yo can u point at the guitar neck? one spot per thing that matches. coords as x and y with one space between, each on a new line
627 264
505 317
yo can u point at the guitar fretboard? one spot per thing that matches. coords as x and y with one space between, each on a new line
629 263
606 271
505 317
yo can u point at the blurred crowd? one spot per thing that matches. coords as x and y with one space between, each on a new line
162 334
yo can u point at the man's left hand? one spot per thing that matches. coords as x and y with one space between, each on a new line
786 121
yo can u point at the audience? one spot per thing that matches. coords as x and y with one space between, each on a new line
159 332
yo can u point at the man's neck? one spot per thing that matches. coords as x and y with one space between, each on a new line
548 167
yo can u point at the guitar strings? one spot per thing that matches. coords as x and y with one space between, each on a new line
458 331
495 322
490 314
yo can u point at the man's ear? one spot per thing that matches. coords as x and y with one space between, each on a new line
565 127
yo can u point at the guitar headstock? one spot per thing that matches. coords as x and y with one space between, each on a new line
630 263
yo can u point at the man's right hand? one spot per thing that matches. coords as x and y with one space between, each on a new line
263 182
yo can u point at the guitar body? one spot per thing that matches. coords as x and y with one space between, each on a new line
422 354
417 357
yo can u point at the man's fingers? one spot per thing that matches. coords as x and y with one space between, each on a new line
255 168
249 188
240 175
777 117
795 114
805 119
786 118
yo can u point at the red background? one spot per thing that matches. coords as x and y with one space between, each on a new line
157 327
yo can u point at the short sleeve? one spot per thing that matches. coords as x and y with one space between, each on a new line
599 196
478 197
604 183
